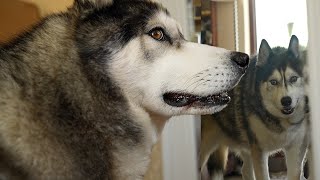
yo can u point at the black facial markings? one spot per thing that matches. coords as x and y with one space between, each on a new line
280 59
285 79
181 35
93 32
168 37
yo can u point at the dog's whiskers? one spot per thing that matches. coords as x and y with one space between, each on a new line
196 83
194 77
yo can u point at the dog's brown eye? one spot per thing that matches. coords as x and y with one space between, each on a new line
157 34
293 79
273 82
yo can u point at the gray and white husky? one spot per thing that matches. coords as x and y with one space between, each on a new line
85 93
267 114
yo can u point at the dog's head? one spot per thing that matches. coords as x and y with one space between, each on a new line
280 78
140 47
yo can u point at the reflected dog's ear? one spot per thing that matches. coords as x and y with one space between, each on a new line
294 46
264 53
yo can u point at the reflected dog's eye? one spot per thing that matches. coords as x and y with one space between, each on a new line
157 34
293 79
273 82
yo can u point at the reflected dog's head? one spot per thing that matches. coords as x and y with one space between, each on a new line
141 48
280 74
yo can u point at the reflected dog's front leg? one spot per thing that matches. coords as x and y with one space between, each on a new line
295 160
260 163
247 167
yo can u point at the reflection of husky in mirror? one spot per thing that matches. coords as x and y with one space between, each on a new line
267 114
86 92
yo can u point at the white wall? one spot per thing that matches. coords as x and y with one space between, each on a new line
179 147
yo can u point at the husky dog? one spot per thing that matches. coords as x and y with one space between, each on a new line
86 92
267 114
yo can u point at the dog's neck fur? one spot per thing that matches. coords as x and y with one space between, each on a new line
76 113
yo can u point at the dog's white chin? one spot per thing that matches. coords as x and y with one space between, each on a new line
176 111
202 111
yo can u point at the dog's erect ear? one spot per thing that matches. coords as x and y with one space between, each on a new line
85 4
264 52
294 46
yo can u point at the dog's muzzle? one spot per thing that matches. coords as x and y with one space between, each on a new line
286 103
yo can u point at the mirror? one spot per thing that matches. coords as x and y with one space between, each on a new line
264 132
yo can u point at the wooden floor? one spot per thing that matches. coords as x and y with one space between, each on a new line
279 176
274 176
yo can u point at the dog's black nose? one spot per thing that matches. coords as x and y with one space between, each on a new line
286 101
240 58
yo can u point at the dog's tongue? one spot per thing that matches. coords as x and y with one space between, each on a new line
184 99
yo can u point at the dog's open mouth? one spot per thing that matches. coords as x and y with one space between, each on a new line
287 111
185 99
